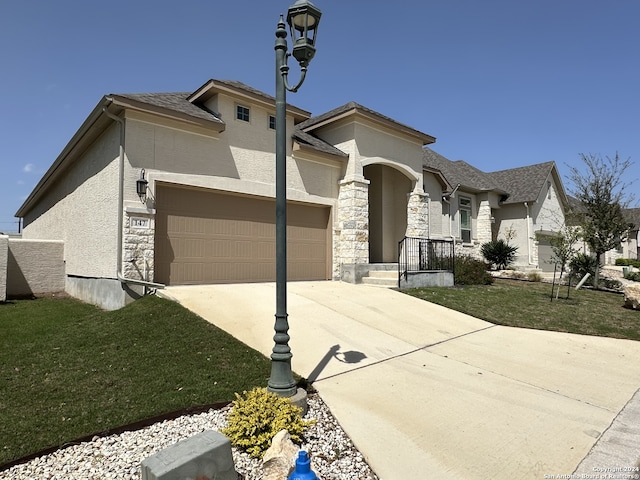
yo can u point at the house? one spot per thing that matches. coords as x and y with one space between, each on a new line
358 183
524 205
207 158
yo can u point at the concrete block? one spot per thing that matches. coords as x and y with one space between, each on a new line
205 456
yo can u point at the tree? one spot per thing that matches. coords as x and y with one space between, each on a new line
563 246
601 190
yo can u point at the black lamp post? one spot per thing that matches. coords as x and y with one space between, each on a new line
303 18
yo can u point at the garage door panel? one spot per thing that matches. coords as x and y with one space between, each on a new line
215 237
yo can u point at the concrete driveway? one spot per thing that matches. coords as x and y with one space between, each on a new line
426 392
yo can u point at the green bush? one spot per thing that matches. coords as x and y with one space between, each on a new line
255 419
499 253
582 264
471 271
627 262
635 276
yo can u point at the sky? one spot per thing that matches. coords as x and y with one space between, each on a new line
499 83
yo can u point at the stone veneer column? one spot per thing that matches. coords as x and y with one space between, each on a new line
139 236
351 234
483 224
418 215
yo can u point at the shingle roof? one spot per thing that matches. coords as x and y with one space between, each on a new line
460 173
176 102
523 183
304 138
308 125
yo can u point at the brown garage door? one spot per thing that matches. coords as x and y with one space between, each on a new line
205 236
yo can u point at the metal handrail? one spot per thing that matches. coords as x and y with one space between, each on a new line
424 254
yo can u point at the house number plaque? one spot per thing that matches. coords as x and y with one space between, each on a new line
139 222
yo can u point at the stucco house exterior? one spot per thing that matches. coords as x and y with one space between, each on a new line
358 182
208 215
524 205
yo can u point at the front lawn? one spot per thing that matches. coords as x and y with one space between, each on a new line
68 369
528 305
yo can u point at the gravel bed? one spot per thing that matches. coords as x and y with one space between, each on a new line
333 455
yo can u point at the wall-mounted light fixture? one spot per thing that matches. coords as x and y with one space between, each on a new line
141 185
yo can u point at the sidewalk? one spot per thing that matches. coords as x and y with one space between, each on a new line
426 392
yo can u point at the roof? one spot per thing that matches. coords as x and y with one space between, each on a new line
311 141
460 173
633 216
170 102
524 184
233 87
353 108
518 185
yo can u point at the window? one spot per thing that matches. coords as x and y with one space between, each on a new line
272 122
242 113
465 219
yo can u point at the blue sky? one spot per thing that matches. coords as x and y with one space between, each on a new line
499 83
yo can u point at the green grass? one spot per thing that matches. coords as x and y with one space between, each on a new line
527 305
68 369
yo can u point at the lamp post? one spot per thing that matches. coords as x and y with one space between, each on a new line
303 18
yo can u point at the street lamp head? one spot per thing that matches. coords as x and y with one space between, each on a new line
303 18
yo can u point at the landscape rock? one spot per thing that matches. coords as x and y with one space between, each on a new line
280 459
632 296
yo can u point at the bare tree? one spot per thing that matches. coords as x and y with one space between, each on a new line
602 191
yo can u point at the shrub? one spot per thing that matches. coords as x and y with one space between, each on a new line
627 262
471 271
255 419
534 277
582 264
635 276
499 253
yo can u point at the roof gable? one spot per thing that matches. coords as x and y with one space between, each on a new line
524 184
353 109
238 89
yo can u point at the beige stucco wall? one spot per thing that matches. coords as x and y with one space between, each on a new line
80 209
241 159
511 221
438 224
367 143
547 211
34 266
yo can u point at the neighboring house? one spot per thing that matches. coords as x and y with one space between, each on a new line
631 248
628 248
524 205
358 182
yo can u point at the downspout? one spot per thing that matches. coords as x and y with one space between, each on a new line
526 204
120 242
448 202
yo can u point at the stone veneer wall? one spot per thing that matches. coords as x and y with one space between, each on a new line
418 215
139 237
351 234
483 233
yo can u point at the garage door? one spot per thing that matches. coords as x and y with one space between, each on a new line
205 236
545 254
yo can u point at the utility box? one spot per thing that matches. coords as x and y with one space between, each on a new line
205 456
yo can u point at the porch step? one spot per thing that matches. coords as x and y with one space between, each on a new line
381 278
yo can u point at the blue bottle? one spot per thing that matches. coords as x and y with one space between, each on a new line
303 468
